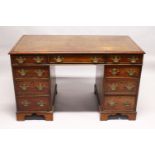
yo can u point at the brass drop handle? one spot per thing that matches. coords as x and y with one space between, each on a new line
113 86
126 104
116 59
24 86
94 59
129 87
39 72
22 72
40 86
25 103
133 59
20 60
59 59
131 72
38 59
114 71
41 103
112 103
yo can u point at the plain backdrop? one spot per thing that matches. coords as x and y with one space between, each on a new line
143 36
85 134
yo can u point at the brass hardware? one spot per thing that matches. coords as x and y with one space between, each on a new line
20 60
40 86
94 59
133 59
131 72
41 103
24 86
114 71
126 104
25 103
22 72
59 59
129 86
113 86
39 72
112 103
116 59
38 59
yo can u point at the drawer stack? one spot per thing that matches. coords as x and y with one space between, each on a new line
120 85
32 85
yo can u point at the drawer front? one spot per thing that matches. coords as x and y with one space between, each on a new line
119 103
71 58
121 86
124 59
31 72
122 71
33 103
27 59
35 87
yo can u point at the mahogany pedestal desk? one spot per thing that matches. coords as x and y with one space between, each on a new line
118 63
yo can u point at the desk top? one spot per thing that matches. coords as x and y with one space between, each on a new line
78 44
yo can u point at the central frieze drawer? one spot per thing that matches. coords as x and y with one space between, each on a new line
33 103
32 87
71 58
121 86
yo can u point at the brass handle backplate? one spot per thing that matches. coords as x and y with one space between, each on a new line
131 72
38 59
59 59
133 59
94 59
114 71
22 72
126 104
113 86
129 87
24 86
40 86
112 103
116 59
20 60
41 103
39 72
25 103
